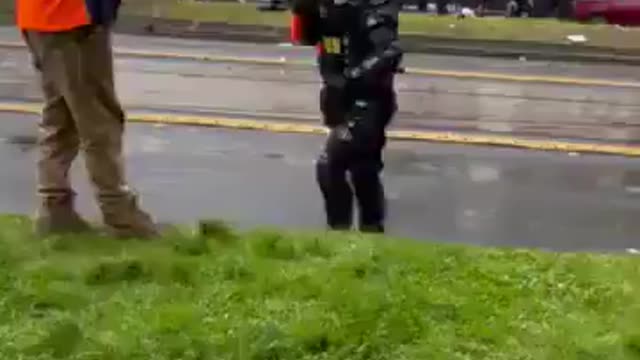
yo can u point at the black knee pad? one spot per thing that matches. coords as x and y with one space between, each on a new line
336 191
370 194
368 164
329 170
323 171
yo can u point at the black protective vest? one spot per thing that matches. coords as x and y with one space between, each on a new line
344 39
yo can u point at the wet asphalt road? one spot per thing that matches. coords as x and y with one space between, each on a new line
428 103
475 195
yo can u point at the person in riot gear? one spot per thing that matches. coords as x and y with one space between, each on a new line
358 57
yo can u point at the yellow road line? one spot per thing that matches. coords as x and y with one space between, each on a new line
21 108
558 80
301 128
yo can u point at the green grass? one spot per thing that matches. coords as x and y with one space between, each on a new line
276 295
533 30
6 12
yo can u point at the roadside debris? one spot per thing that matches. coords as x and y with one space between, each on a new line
466 12
632 189
577 39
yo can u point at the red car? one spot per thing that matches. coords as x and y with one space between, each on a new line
620 12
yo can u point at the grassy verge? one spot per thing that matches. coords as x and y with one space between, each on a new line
6 12
274 295
533 30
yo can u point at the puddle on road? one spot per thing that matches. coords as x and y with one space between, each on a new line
191 75
152 144
23 142
631 182
407 162
274 156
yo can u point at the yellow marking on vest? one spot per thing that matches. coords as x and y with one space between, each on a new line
332 45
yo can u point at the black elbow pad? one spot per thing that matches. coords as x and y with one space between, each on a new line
394 53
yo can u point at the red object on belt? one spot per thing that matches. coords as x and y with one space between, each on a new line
296 29
296 32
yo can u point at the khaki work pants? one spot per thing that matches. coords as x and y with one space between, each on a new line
81 111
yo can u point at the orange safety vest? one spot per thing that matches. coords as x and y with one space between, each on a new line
63 15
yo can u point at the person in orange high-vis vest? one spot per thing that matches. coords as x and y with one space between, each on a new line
70 44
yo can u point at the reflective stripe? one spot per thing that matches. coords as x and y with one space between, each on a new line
51 15
332 45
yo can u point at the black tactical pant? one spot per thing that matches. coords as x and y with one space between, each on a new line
348 170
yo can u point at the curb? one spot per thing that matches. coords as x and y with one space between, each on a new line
557 80
401 135
516 49
515 53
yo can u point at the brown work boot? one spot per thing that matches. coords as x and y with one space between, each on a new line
127 221
59 219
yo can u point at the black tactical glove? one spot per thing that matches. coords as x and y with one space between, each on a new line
362 124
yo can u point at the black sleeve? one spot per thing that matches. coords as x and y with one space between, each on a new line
381 24
309 14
